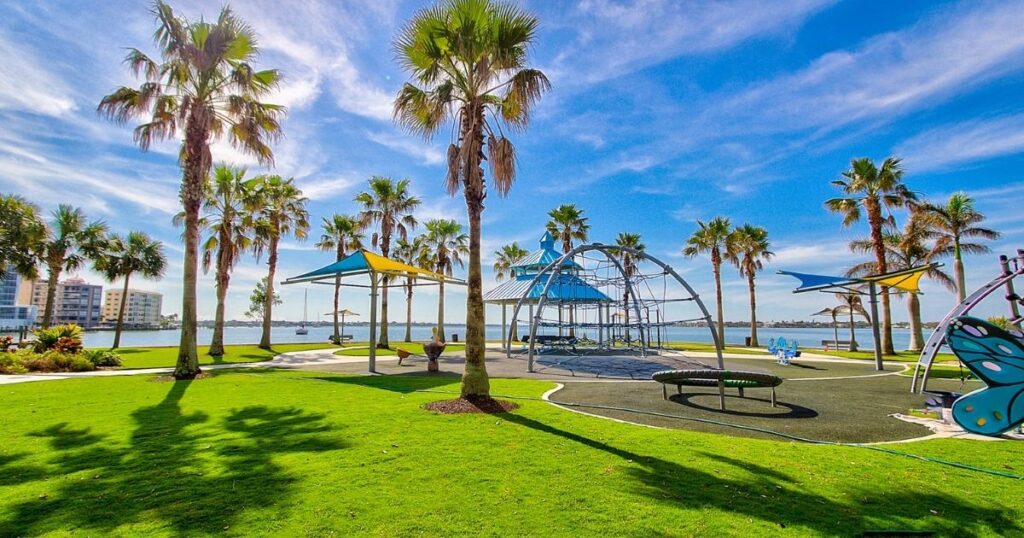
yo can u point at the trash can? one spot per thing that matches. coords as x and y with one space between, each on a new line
746 341
455 337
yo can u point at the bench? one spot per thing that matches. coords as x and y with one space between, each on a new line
836 345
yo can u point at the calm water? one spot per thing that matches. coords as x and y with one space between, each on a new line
251 335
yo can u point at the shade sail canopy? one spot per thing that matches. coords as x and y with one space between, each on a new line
907 280
566 288
363 262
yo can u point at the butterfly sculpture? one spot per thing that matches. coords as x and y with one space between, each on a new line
995 356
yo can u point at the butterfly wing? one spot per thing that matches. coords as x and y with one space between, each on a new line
997 358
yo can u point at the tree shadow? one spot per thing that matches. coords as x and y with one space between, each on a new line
404 383
773 497
12 473
794 410
177 471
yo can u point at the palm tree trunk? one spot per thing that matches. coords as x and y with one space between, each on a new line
408 310
916 333
753 309
853 334
440 312
875 221
51 293
217 342
382 341
336 337
196 168
475 382
718 301
268 302
120 313
958 272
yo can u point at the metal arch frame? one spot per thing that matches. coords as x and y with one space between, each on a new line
938 336
555 268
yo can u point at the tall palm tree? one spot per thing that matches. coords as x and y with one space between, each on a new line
22 233
70 240
230 227
341 233
505 258
567 224
872 190
469 64
204 83
415 253
446 240
751 250
280 210
629 265
904 250
389 205
122 257
953 222
852 304
712 238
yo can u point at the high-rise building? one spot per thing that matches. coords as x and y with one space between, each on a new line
75 302
142 310
14 314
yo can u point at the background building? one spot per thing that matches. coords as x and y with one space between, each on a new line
15 312
143 308
75 302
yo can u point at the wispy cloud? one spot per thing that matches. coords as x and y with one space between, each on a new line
426 153
28 86
963 142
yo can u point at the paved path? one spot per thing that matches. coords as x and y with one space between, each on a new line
291 359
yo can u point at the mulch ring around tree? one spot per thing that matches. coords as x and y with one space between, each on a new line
475 405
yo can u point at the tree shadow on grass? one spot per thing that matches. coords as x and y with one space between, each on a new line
776 498
402 383
177 472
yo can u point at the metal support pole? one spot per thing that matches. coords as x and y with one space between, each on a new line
373 322
600 325
1004 264
873 299
504 325
529 366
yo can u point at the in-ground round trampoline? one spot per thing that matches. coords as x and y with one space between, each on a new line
707 377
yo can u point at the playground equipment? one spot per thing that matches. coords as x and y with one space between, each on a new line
737 379
784 351
996 356
1009 269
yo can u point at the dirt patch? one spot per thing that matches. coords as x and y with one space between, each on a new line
463 405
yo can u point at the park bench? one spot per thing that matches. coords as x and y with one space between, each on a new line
836 345
549 342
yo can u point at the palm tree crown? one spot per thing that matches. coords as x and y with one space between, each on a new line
953 222
505 258
389 205
22 233
135 253
448 243
628 240
226 218
279 210
342 234
750 249
567 223
713 237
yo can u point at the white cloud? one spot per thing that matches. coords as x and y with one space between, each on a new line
27 86
427 154
959 143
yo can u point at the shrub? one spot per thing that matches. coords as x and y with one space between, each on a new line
69 336
66 344
102 357
9 364
5 343
53 361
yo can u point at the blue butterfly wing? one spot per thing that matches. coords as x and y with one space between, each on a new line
994 355
990 411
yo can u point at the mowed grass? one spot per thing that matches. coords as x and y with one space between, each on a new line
416 348
288 453
166 356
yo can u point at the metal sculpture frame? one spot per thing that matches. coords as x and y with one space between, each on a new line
553 269
1010 268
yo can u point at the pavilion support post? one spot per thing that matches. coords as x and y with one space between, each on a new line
873 300
504 329
531 332
373 322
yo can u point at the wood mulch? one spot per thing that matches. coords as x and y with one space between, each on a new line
463 405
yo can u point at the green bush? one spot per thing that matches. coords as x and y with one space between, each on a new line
102 357
52 361
9 364
68 337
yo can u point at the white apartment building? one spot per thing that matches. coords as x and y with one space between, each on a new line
143 308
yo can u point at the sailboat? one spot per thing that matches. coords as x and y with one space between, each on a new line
301 329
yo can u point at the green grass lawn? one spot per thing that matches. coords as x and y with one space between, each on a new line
291 453
165 356
710 348
416 348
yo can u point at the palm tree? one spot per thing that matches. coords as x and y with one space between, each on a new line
122 257
875 190
389 205
713 238
904 250
230 227
69 241
416 254
469 63
505 258
852 304
22 233
342 233
446 240
567 224
204 83
280 210
751 250
952 223
629 265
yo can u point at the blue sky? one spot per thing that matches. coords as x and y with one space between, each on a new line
661 113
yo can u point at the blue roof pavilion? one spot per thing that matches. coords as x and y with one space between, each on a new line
566 288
